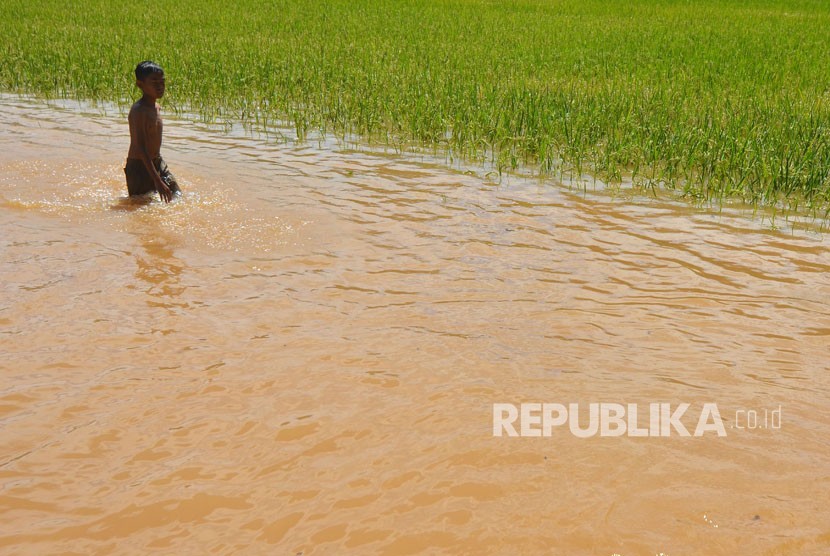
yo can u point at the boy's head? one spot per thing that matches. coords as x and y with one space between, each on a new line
149 77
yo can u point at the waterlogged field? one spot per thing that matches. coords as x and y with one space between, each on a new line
312 351
326 348
715 99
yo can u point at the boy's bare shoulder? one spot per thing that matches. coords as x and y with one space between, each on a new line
139 110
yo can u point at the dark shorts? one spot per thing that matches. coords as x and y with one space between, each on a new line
139 180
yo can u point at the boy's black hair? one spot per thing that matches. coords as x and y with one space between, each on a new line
145 68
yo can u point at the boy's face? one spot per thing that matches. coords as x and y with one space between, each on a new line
152 85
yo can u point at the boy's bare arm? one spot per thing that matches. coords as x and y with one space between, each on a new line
140 124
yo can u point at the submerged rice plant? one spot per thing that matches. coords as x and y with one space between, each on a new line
717 99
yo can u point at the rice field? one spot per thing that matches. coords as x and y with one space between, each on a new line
713 99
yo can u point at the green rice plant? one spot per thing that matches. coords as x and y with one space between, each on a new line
716 99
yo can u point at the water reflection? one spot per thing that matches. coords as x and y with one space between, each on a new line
160 269
131 204
157 267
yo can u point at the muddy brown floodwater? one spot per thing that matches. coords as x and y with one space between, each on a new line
302 356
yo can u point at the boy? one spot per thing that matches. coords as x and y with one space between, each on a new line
146 171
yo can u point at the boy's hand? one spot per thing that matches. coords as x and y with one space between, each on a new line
164 191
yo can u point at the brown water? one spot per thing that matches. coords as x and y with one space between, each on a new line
302 356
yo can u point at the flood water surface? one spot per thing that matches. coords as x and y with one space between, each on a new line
303 353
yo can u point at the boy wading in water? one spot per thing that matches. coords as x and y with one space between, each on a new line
146 171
